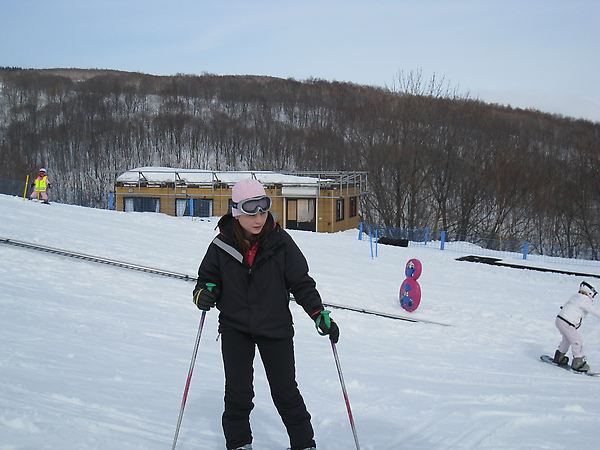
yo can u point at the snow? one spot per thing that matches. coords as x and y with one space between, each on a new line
169 174
96 357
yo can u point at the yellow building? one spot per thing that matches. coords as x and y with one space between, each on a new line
312 201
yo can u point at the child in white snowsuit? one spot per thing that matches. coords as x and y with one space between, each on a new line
569 320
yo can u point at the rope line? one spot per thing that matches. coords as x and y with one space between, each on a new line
180 276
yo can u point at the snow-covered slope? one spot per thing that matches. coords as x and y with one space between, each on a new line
96 357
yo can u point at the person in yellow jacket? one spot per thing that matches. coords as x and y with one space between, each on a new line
40 186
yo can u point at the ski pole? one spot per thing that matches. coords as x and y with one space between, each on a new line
25 190
189 379
339 369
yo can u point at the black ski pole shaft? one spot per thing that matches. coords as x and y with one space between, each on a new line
189 379
339 369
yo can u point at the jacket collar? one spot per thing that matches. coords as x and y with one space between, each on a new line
225 236
225 226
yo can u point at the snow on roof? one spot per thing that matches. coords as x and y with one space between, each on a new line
208 177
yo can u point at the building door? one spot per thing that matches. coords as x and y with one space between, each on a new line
301 214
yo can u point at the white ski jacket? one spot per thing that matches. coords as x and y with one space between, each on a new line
576 308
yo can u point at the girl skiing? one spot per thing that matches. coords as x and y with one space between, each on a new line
254 265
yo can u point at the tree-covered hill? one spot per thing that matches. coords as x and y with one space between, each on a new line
435 159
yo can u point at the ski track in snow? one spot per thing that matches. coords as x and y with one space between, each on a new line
96 357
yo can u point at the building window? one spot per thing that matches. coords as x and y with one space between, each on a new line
339 210
199 207
301 214
203 207
353 209
141 204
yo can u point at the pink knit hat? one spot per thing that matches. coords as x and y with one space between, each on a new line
243 189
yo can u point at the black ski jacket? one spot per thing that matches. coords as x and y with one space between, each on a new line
255 299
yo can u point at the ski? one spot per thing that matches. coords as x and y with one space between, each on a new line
548 359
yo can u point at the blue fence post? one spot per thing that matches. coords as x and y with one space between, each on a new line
191 206
371 242
442 240
426 235
376 241
525 249
111 200
360 231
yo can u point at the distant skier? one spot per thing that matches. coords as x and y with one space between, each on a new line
40 186
569 320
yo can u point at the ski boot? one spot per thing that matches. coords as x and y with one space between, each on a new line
307 448
244 447
579 365
560 358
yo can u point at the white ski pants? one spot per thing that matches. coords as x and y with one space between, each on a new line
570 338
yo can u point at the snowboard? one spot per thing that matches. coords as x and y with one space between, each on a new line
548 359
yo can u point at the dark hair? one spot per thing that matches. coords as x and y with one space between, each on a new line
239 236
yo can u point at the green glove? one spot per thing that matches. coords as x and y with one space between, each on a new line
206 298
326 326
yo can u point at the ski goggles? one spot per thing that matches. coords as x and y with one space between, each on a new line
254 205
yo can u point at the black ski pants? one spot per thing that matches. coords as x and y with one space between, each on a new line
277 355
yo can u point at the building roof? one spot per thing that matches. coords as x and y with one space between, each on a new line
160 175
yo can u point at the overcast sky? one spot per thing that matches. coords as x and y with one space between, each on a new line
540 54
